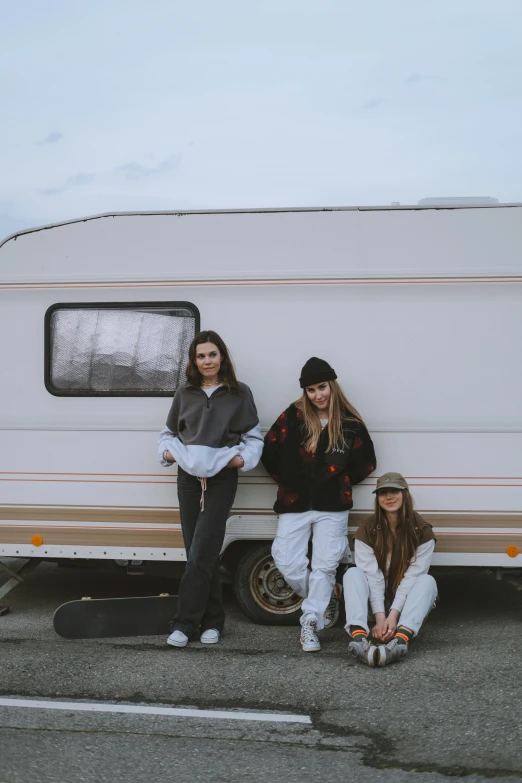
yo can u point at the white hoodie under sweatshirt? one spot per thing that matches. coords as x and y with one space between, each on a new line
204 461
206 430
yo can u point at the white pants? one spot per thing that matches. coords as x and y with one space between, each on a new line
329 530
420 600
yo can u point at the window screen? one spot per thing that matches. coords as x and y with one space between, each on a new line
118 349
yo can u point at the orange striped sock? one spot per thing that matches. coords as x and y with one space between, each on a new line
403 635
357 632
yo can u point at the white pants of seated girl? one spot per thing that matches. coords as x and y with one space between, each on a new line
420 600
329 530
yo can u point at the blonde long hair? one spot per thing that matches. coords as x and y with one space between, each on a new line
338 409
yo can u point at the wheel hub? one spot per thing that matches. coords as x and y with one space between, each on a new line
270 591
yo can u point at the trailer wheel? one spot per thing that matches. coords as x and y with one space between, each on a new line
261 591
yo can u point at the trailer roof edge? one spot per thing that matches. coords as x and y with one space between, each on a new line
253 211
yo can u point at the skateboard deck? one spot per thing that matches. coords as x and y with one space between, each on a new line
99 618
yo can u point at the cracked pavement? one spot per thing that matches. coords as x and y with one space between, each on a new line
451 708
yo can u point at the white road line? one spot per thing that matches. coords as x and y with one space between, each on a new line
181 712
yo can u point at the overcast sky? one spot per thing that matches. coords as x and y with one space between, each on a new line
133 105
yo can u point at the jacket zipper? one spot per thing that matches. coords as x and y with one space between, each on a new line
206 395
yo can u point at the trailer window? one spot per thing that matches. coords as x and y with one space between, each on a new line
134 349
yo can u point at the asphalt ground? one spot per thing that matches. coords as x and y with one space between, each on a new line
453 707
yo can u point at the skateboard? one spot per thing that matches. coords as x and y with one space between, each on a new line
99 618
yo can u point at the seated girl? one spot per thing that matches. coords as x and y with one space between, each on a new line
393 552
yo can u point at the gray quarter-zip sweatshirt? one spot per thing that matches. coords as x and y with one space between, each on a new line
204 433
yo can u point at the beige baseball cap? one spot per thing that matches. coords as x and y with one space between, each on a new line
391 481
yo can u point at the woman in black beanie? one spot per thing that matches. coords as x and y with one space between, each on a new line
316 450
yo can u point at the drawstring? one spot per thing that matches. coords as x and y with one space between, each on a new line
203 483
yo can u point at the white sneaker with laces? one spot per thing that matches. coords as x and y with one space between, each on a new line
333 609
210 636
177 639
309 640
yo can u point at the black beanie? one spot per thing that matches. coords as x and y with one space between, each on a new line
316 371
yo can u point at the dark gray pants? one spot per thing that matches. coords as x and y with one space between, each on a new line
200 604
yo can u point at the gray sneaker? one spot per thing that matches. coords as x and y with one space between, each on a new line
388 653
362 650
333 609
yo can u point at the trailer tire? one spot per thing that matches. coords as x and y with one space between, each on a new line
261 591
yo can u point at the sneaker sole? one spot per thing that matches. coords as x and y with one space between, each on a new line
177 644
210 641
381 656
371 655
310 647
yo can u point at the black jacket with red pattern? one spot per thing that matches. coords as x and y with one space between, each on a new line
321 481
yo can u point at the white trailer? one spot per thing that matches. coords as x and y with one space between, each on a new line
418 309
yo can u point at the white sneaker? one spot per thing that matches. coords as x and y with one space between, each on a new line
309 640
177 639
211 636
333 609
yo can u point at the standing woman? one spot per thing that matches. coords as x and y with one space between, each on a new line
316 450
393 551
212 431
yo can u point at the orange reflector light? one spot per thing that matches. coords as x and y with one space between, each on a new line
512 551
37 540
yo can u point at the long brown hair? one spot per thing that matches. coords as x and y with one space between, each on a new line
404 546
340 410
227 373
